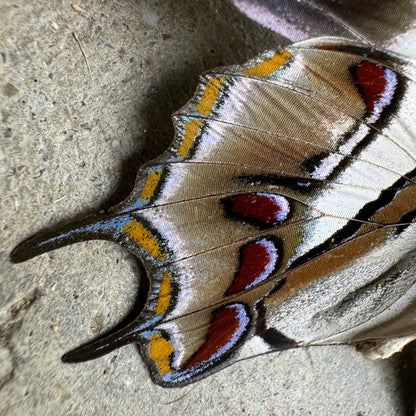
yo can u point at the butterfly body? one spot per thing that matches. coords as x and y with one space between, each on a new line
277 218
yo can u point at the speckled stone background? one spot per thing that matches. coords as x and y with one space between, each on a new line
87 90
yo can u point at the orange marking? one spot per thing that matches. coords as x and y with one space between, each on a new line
403 202
165 294
332 261
151 184
191 130
265 68
204 107
142 236
160 351
368 238
210 95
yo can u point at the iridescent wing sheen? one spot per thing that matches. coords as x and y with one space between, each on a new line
387 23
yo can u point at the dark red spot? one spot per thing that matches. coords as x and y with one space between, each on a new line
374 84
227 327
258 260
264 210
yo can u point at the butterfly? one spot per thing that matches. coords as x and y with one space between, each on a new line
283 213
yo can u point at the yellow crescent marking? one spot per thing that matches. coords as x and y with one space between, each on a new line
145 239
265 68
160 351
151 184
210 95
165 294
191 130
204 107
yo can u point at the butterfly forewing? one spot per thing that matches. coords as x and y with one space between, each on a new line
385 23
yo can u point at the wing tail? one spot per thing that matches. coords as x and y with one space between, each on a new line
92 228
103 345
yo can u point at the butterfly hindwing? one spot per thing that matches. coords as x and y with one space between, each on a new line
278 215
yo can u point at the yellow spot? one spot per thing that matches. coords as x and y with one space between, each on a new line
151 184
191 130
165 294
210 95
145 239
265 68
160 350
204 107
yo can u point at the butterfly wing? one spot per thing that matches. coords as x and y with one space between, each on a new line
277 217
390 24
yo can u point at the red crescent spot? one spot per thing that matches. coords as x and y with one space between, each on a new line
376 86
257 261
261 208
226 329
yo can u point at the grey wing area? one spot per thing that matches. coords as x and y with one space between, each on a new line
389 24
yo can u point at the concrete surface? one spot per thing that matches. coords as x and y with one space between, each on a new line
86 97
